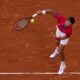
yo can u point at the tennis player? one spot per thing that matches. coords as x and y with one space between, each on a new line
62 35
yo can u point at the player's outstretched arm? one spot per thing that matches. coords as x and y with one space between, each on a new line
42 12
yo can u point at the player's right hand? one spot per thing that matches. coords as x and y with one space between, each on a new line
39 12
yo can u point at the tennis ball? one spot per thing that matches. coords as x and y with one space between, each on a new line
32 20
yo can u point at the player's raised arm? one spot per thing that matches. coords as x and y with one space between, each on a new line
58 16
42 12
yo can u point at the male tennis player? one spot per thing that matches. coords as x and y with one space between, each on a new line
62 35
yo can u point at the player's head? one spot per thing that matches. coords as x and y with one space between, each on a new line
69 21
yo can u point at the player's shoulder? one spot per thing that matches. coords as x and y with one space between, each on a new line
69 30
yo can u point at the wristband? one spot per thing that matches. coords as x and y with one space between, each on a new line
43 12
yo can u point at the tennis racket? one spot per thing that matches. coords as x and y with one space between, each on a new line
23 22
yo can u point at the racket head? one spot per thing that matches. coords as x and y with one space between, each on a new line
22 23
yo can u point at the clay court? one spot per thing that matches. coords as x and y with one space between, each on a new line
28 51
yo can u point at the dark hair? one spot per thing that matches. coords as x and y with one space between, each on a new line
71 19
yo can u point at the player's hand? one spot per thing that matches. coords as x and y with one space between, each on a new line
39 12
42 11
52 35
47 10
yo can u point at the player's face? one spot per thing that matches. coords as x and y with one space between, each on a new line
67 23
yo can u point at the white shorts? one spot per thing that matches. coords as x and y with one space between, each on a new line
61 34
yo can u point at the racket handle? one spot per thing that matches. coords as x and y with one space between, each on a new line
34 15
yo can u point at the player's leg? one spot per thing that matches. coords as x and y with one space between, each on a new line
55 53
62 45
61 51
62 58
57 34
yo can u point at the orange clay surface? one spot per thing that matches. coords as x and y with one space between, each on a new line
29 50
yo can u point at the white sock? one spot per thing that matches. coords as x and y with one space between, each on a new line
56 50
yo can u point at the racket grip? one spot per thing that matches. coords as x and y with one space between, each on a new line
34 15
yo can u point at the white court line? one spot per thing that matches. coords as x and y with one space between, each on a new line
36 73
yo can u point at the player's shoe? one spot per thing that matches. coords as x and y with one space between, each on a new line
54 54
61 69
